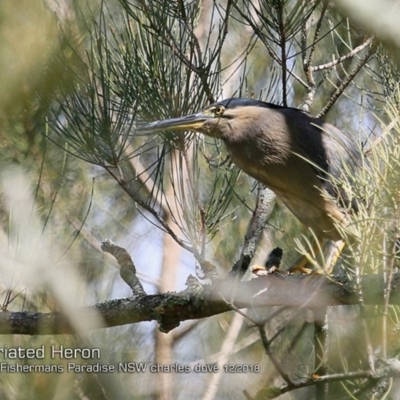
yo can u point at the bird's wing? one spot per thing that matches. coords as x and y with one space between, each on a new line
330 152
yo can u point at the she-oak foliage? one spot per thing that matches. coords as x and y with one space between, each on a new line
125 62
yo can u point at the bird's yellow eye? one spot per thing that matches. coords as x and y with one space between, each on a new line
218 111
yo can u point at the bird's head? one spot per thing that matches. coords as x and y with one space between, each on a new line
221 120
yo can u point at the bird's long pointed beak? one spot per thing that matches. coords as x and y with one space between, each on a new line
189 122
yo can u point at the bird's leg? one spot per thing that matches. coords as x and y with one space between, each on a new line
330 258
301 264
333 255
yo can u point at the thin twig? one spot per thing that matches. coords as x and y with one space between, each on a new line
368 343
195 191
229 341
320 355
190 31
333 378
339 60
380 138
317 379
316 34
267 45
282 33
125 186
308 71
224 33
169 39
278 367
336 94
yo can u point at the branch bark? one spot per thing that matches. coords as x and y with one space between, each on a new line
169 309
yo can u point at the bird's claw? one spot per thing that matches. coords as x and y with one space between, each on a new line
260 270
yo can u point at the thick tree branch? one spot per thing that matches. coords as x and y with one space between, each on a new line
169 309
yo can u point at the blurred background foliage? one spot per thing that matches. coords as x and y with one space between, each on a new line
76 77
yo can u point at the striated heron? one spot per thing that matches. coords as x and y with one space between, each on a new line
295 154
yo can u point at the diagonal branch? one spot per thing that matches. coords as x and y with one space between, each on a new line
339 60
264 207
339 90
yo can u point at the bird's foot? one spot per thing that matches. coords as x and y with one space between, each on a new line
260 270
271 265
309 265
303 265
300 269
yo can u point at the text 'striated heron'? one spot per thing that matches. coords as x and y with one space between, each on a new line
290 151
